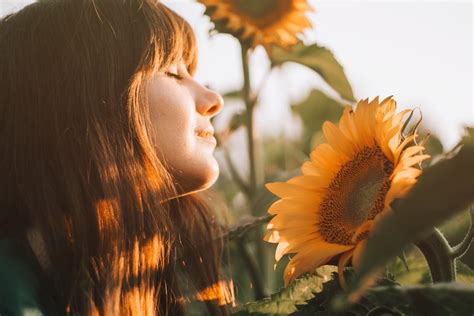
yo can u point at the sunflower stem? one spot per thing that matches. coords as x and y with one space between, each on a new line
249 100
249 105
257 283
438 254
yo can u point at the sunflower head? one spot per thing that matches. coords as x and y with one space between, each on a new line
348 183
262 22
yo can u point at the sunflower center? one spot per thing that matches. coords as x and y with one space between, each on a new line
263 12
356 194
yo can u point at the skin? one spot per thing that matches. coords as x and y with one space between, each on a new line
179 108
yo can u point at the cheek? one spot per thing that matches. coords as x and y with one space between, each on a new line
174 137
172 115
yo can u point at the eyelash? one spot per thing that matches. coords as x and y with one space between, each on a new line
176 76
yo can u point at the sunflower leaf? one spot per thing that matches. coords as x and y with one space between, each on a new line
390 298
284 302
319 59
237 120
242 229
428 299
403 258
314 110
441 192
235 94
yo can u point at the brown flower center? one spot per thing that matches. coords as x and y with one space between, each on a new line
356 194
263 13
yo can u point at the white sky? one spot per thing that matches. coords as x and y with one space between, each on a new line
419 51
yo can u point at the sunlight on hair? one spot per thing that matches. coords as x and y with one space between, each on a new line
148 257
106 215
222 292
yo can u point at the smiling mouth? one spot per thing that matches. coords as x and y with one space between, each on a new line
207 137
204 134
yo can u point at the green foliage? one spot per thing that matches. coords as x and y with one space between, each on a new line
392 299
237 120
431 299
464 273
235 94
321 303
314 110
282 154
319 59
285 301
442 191
242 229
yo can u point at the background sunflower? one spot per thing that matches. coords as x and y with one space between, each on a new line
263 22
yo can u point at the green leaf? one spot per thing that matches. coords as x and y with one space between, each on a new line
236 94
403 258
319 59
319 305
237 120
314 110
432 299
298 292
441 192
242 229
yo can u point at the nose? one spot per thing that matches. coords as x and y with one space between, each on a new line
209 102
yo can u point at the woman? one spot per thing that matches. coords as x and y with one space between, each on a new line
105 141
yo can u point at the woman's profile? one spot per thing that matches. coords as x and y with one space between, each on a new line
105 142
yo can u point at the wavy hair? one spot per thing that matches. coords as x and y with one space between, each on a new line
78 164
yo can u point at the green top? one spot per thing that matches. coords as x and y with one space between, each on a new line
21 280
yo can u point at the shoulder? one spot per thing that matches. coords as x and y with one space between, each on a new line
18 282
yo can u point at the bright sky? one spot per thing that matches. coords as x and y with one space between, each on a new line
419 51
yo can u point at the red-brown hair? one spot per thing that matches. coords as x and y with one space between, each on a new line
78 164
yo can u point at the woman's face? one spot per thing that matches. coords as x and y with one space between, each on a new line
181 109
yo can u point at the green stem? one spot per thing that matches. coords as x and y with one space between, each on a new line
257 283
255 270
438 254
249 120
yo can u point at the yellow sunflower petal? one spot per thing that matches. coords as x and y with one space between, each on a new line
287 248
309 182
262 22
343 260
287 190
337 140
310 259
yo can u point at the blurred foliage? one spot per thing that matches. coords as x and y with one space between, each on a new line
319 59
313 111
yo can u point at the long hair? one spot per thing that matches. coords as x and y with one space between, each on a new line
78 163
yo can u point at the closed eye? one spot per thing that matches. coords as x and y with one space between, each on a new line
173 75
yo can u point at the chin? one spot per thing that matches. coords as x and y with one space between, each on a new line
198 181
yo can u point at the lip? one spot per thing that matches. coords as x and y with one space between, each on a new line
208 139
204 132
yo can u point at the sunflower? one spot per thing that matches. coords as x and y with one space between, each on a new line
261 22
348 184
